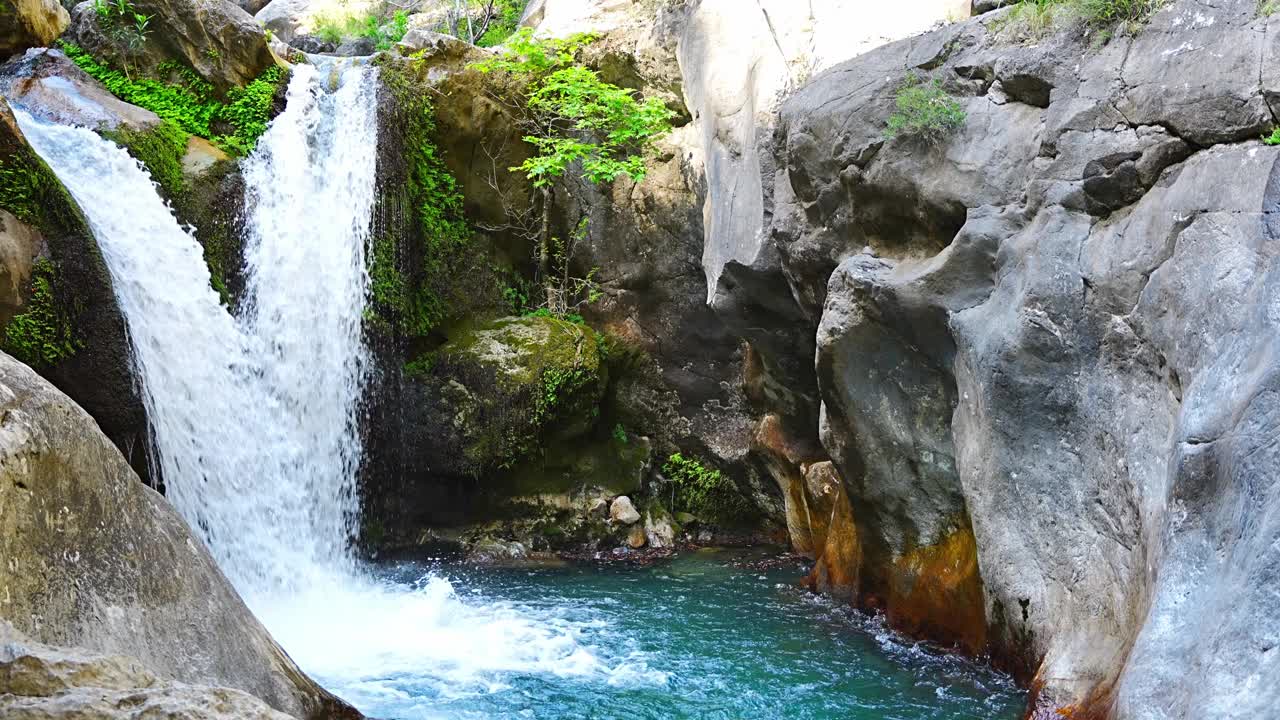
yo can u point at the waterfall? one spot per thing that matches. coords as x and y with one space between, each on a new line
254 417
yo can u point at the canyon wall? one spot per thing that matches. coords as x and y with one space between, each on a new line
1043 361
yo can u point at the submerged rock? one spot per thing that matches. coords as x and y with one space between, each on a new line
95 559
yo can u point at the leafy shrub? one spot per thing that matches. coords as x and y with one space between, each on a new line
1273 138
383 31
573 116
1126 14
503 22
924 110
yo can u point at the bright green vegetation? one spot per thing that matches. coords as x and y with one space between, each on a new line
704 491
1273 138
1035 18
1267 8
528 379
574 121
415 292
161 149
924 110
502 18
574 118
189 101
384 31
42 335
119 19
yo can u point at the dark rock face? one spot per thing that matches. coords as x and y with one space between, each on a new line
99 561
1043 351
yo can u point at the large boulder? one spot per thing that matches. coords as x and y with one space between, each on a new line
216 38
42 682
30 23
95 559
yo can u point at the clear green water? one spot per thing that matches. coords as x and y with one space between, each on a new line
704 635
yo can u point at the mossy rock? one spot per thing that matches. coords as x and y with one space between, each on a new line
519 384
615 467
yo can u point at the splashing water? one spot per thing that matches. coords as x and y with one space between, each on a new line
254 423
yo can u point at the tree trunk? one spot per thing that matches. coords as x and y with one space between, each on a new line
544 250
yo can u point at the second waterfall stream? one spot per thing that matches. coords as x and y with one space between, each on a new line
254 415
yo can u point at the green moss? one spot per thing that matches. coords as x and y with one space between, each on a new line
189 101
417 297
161 150
704 491
42 335
532 382
30 190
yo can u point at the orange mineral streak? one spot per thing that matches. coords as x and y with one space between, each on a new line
935 591
786 460
838 562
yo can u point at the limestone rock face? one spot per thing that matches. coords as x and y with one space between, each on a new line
216 38
95 559
30 23
41 682
1044 349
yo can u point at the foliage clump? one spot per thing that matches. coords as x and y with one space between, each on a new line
383 31
704 491
574 121
122 22
1273 138
42 335
572 116
925 110
189 101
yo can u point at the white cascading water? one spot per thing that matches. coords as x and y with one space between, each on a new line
254 419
